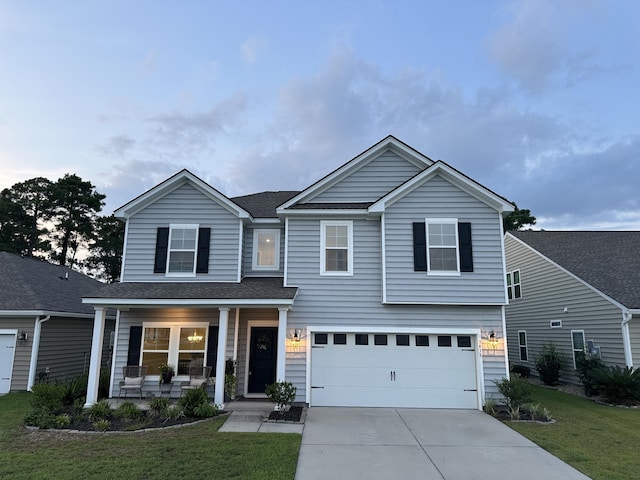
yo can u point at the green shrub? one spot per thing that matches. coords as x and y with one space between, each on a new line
516 391
48 396
63 420
76 389
103 383
620 386
282 394
205 410
101 425
548 363
174 412
521 370
158 406
587 367
128 411
41 418
192 399
490 406
99 410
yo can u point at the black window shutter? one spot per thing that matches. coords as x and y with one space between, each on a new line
162 246
135 343
202 263
419 247
212 349
466 251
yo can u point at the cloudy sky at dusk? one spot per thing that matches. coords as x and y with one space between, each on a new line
538 100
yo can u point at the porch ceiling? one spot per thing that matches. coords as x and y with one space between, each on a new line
262 291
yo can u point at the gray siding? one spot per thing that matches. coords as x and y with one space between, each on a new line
22 355
356 300
65 347
440 199
247 262
371 181
184 205
546 292
634 333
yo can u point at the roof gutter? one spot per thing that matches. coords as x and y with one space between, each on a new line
35 347
626 337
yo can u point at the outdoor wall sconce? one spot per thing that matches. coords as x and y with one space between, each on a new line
493 340
295 341
22 337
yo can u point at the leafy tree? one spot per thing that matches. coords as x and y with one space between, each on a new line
24 209
75 207
105 251
518 219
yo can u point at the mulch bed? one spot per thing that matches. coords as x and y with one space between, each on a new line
291 415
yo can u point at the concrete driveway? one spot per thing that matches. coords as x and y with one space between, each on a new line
389 443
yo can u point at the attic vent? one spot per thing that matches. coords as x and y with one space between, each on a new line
66 276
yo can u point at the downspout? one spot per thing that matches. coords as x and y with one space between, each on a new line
626 338
34 350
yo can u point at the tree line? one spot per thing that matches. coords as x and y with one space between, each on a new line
59 221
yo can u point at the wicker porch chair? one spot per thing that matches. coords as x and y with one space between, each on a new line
198 378
133 379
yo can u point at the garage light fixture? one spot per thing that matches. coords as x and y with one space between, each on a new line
22 337
493 340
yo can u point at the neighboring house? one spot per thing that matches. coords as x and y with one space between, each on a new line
45 329
378 285
579 290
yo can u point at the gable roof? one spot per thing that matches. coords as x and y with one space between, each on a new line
264 204
452 175
181 178
607 260
390 143
34 285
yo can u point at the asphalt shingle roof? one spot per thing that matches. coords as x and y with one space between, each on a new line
34 284
264 204
258 288
609 261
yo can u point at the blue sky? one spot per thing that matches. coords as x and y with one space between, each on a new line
537 100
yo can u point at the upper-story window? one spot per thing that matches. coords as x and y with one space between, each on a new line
514 288
336 248
442 246
266 249
182 250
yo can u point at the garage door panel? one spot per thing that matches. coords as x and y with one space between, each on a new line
408 376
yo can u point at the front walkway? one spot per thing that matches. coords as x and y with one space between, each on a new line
252 416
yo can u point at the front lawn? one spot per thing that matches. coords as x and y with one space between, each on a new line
198 451
600 441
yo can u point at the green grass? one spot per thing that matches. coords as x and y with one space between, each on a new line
600 441
197 451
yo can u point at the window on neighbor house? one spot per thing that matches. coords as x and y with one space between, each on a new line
522 344
442 246
577 344
266 249
182 346
514 289
183 242
336 245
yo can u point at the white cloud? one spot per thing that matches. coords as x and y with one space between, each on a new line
252 47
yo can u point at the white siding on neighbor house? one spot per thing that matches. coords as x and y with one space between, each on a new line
546 292
247 263
371 181
22 356
438 198
356 300
65 347
185 205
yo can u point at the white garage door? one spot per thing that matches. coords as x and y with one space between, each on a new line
7 350
393 370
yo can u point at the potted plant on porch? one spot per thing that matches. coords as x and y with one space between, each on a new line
167 371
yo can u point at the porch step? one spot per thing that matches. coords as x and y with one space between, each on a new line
248 416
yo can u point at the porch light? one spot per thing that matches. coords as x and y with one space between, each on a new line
296 337
22 337
195 338
493 340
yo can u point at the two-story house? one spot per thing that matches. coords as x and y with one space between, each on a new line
382 284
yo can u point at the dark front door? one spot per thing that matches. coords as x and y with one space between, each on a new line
262 358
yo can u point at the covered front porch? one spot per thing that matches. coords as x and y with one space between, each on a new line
186 324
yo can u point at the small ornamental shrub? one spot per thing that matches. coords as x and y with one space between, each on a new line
76 389
101 425
158 406
193 399
282 394
490 406
99 410
587 367
521 370
620 386
205 410
40 418
128 411
516 391
103 383
63 420
48 396
548 364
174 412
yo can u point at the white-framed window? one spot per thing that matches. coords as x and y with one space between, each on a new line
442 246
577 344
522 344
266 249
183 245
555 323
336 247
514 288
182 346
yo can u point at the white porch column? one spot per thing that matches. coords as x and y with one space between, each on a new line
218 396
96 356
282 344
